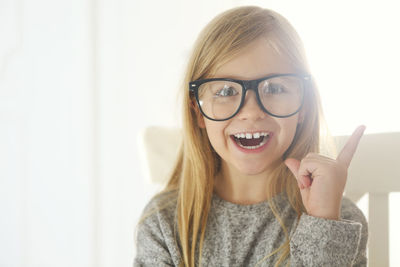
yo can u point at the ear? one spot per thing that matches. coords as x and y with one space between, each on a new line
199 116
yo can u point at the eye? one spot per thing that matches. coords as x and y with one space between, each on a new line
227 91
272 88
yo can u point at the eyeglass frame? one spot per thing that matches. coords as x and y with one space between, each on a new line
246 86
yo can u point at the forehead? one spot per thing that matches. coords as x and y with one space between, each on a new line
256 60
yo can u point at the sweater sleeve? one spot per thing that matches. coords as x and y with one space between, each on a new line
322 242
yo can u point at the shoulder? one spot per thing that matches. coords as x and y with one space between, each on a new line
160 209
162 200
352 214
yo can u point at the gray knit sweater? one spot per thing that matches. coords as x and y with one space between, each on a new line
242 235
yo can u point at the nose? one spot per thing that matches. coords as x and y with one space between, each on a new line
250 109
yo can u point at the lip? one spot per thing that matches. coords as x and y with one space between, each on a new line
252 151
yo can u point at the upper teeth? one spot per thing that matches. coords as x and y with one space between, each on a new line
251 135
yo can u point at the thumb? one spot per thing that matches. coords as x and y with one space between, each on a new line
294 165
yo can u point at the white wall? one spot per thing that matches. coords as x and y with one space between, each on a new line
79 79
46 134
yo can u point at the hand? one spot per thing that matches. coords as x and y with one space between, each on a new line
322 180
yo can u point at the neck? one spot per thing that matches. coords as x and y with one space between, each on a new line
240 188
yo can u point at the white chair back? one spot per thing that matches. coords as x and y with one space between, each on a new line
158 149
375 170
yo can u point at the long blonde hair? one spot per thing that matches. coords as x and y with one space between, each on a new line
197 163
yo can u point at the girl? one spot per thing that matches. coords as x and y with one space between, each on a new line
249 187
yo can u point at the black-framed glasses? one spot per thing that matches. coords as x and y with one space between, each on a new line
279 95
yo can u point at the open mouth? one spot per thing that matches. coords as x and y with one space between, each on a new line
251 141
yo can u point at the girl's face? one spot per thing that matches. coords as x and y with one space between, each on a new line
257 60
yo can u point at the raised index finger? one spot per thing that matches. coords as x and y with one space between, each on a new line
350 147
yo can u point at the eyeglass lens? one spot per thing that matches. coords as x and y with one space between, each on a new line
280 96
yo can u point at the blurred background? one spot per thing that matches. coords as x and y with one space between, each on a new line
80 79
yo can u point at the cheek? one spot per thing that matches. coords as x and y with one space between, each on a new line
289 130
215 132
